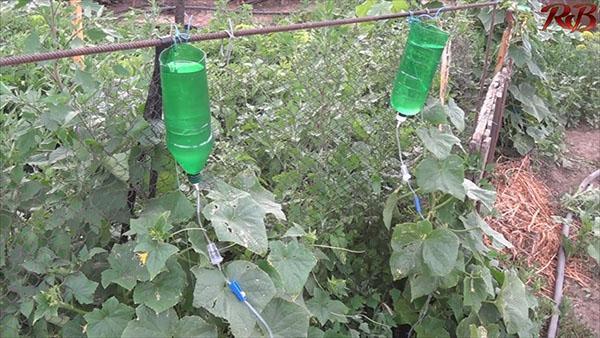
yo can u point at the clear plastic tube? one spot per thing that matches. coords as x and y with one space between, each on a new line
260 319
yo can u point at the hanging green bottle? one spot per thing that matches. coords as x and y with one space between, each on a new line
186 107
418 66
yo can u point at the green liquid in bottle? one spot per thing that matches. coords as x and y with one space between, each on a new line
186 106
417 68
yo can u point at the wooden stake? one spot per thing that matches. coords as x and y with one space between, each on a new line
78 28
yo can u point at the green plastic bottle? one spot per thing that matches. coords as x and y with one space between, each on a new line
186 107
418 66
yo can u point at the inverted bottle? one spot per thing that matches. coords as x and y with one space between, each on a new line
186 107
419 64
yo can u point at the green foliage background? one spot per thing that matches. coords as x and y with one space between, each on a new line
303 186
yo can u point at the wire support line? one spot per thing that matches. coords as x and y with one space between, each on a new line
122 46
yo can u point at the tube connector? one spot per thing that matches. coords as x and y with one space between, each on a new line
194 178
236 289
400 118
405 174
213 254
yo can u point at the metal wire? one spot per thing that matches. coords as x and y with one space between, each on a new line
59 54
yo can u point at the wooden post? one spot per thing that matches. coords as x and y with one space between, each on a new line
78 28
179 12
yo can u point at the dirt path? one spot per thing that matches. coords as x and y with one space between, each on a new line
581 159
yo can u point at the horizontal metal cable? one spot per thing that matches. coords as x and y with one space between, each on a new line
113 47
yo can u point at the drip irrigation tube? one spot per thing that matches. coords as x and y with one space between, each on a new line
562 262
66 53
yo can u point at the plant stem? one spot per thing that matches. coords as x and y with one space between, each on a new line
338 248
186 229
72 308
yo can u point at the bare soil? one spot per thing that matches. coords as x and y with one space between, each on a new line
264 10
582 157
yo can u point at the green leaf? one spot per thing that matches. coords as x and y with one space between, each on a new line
403 262
421 285
363 9
118 165
519 54
512 304
440 250
85 80
9 327
325 308
530 101
58 115
477 287
44 307
435 113
285 318
32 43
294 231
380 8
406 244
455 301
488 314
164 291
293 261
194 327
432 327
81 287
44 259
593 249
125 268
409 233
110 321
473 220
158 253
456 115
212 293
150 225
248 182
463 327
437 142
179 206
150 324
485 16
404 310
442 175
74 328
388 209
535 70
523 143
486 197
85 254
399 5
477 332
240 221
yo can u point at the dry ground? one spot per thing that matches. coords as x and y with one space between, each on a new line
582 158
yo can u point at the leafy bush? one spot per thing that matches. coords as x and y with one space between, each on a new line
552 87
586 207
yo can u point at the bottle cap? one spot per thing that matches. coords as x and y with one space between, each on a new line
194 179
